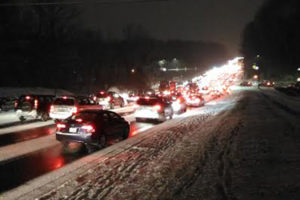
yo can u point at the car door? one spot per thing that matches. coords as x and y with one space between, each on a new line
108 126
117 123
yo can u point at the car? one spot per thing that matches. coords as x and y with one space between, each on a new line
153 108
109 100
93 128
33 107
267 83
246 83
179 104
195 101
66 106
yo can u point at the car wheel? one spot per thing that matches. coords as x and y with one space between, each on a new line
22 118
45 116
102 143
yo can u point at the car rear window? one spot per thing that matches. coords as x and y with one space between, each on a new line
148 102
101 95
85 116
61 101
26 99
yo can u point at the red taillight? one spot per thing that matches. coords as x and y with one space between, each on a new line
94 98
27 98
16 104
88 128
65 97
157 108
60 126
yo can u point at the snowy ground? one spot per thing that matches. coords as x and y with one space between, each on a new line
245 146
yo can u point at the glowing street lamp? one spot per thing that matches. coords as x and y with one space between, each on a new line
132 70
255 77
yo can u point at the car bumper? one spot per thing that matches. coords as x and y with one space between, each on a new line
26 114
71 137
60 116
145 114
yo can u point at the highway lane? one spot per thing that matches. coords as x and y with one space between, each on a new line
17 171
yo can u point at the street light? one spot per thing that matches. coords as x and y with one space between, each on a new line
132 70
255 77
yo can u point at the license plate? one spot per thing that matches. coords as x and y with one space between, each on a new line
72 130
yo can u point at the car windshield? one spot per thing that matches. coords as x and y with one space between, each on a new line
62 101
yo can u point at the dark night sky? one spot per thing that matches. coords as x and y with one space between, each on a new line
209 20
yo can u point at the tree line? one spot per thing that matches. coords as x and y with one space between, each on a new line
47 46
271 40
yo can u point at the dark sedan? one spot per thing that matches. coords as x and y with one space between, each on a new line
93 128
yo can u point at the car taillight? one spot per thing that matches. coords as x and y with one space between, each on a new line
60 126
36 104
88 128
27 98
74 110
94 98
157 108
16 104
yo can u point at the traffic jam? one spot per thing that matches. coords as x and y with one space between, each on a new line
85 124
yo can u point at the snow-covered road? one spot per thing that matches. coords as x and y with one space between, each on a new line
245 146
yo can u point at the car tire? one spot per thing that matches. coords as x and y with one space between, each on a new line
45 117
102 143
22 119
